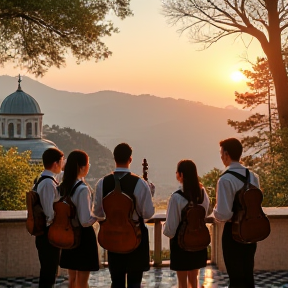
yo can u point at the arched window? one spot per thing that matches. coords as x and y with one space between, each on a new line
3 128
29 130
18 129
36 128
11 130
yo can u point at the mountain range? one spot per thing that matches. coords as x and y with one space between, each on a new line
162 130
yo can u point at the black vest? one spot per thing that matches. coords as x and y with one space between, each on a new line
128 183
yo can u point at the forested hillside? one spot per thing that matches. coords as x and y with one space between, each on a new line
67 140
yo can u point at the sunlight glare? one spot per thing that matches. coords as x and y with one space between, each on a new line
237 76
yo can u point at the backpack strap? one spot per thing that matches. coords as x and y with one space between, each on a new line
41 179
245 180
117 184
72 191
181 193
118 189
68 200
75 187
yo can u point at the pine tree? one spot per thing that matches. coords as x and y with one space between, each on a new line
263 137
260 127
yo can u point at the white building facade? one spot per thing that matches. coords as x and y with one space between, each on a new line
21 124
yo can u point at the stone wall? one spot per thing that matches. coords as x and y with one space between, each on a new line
271 253
18 254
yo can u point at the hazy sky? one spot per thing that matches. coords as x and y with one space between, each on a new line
150 57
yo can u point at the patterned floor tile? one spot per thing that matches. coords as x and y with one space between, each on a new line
209 277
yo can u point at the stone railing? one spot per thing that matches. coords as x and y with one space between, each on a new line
271 253
18 254
157 220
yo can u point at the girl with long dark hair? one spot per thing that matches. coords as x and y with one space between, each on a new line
186 263
84 258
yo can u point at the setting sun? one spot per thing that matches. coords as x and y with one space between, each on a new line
237 76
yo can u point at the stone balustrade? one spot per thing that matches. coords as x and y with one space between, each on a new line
18 254
271 253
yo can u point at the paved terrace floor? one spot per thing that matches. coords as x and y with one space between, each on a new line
209 277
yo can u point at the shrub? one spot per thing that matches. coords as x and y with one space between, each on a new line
16 178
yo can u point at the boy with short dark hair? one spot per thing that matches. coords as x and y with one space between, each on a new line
122 153
238 257
130 265
48 255
233 147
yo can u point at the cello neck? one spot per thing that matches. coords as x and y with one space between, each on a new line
145 169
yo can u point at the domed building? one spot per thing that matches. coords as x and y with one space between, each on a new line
21 124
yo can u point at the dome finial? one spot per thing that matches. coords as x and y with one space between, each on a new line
19 81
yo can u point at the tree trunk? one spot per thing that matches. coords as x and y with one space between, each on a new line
273 50
281 88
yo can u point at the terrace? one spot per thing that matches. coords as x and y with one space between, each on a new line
19 265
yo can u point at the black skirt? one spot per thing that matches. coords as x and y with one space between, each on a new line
182 260
85 256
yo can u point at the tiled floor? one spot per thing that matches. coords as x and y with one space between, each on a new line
209 277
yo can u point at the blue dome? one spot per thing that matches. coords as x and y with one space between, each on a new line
20 102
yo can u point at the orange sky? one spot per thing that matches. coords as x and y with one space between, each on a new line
150 57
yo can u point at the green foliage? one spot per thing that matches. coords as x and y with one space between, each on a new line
16 177
272 168
68 139
165 254
160 204
40 34
209 181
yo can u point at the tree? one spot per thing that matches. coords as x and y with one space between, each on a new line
272 168
265 20
16 177
39 34
209 180
263 136
261 127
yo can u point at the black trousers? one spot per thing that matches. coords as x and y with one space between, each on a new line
239 260
49 257
131 264
118 278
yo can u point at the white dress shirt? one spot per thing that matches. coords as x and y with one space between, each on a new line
175 207
82 198
48 194
227 187
142 193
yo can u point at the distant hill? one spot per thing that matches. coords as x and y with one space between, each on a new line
163 130
67 140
